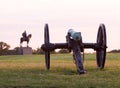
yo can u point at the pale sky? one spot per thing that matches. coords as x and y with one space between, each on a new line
84 16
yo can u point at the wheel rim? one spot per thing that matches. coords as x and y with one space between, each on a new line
47 42
101 52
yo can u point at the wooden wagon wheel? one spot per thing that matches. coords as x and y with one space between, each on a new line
47 42
101 42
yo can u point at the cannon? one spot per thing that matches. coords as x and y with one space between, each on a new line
75 44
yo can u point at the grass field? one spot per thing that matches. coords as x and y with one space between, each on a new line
28 71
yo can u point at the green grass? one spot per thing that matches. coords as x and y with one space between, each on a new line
28 71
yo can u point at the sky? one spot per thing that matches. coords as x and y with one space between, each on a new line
83 16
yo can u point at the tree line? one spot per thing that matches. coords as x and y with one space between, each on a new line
114 51
5 50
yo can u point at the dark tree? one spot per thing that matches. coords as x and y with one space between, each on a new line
4 47
115 51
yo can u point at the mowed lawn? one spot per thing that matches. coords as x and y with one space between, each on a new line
28 71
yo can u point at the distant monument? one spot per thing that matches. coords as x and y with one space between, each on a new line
25 50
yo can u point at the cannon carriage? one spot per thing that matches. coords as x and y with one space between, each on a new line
74 43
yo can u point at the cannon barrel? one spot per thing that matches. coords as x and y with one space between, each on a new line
74 35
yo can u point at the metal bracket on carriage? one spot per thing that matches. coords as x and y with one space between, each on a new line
98 47
48 47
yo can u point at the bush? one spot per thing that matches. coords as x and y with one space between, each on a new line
63 51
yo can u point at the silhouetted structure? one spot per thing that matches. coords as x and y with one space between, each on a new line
25 38
25 50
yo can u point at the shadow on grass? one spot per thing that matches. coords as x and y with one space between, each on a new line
61 71
72 71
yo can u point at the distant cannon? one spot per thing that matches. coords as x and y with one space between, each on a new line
74 43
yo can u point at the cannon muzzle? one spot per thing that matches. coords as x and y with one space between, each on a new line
74 35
